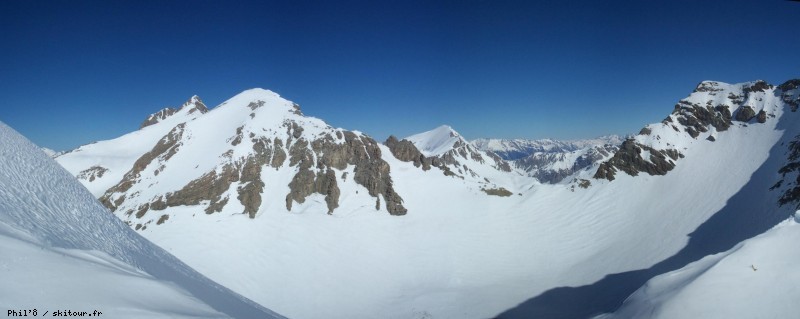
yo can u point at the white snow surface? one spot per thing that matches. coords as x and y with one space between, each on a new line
758 278
62 250
458 253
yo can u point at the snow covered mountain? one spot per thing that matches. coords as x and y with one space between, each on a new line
437 141
446 150
255 194
63 251
514 149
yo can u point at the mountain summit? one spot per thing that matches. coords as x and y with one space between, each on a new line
437 141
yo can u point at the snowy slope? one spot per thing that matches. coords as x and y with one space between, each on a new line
461 250
758 278
64 251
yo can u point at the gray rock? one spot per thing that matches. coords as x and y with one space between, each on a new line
745 114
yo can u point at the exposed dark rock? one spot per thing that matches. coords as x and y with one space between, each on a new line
250 192
162 219
789 85
697 118
211 186
297 130
142 210
646 130
238 137
584 183
761 117
296 109
502 192
792 99
407 152
745 114
279 155
158 117
711 138
196 105
159 204
255 104
792 193
758 86
92 173
707 86
370 170
629 160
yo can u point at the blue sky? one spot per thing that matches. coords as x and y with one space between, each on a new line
72 72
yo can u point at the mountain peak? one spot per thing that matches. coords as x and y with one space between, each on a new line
437 141
194 104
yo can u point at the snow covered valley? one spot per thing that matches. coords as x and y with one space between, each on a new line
313 221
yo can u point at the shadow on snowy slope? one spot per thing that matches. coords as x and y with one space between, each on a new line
750 212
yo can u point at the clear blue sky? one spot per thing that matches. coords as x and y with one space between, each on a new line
72 72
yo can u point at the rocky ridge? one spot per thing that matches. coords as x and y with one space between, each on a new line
713 107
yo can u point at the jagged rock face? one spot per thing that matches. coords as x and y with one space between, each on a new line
792 99
158 116
697 118
406 151
193 106
454 161
629 159
792 192
746 113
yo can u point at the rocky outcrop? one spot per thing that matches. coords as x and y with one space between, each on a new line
210 187
629 159
406 151
347 148
158 117
697 118
791 193
758 86
746 113
761 117
502 192
92 173
191 106
792 99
